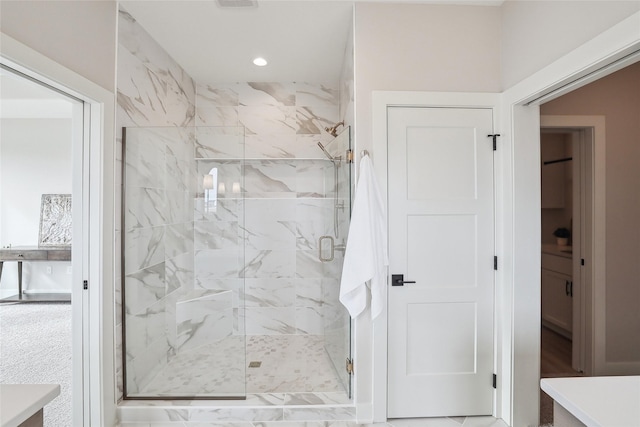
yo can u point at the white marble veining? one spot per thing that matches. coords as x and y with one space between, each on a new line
145 207
270 320
220 142
313 120
160 181
309 321
316 95
410 422
220 95
269 292
153 90
178 239
216 235
224 210
216 116
270 119
144 247
215 369
203 317
269 239
214 264
266 94
269 263
144 288
179 271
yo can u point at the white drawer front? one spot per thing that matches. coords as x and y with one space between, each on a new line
557 263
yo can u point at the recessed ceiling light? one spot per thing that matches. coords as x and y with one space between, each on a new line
260 62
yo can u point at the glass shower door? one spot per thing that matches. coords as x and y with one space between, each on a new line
182 220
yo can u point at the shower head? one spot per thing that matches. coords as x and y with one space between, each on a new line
333 131
326 153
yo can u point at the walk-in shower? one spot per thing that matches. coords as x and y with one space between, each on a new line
227 288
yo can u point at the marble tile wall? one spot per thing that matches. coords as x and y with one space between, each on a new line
152 91
270 236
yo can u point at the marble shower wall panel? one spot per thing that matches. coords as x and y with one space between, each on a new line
203 317
314 219
270 224
220 143
159 244
153 91
286 203
282 120
147 354
219 216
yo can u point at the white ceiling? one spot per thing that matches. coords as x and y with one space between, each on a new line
303 40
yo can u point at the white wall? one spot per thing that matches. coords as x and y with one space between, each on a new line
69 32
35 160
536 33
414 47
475 49
423 47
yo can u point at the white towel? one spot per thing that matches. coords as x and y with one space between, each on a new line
366 254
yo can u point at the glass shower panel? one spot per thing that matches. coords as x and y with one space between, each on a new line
336 320
182 259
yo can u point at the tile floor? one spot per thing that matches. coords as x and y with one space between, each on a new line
289 364
409 422
307 376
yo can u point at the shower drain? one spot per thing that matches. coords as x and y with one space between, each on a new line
255 364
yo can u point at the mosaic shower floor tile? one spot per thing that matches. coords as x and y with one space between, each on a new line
288 364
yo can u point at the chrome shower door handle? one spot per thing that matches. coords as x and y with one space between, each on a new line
320 240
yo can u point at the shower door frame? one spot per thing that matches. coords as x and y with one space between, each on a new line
348 339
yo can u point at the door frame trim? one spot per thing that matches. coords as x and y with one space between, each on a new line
381 100
522 206
95 313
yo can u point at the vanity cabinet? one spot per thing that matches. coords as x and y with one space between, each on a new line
557 293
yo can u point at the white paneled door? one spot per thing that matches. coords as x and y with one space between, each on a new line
441 239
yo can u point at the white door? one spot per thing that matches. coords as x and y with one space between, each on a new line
441 236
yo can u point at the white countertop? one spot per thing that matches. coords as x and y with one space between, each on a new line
563 251
18 402
598 401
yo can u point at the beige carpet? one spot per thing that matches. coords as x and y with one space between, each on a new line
546 409
35 348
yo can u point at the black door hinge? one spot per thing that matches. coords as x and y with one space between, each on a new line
495 137
85 284
495 381
495 262
349 366
581 261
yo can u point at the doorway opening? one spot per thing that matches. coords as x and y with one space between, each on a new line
41 182
567 177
